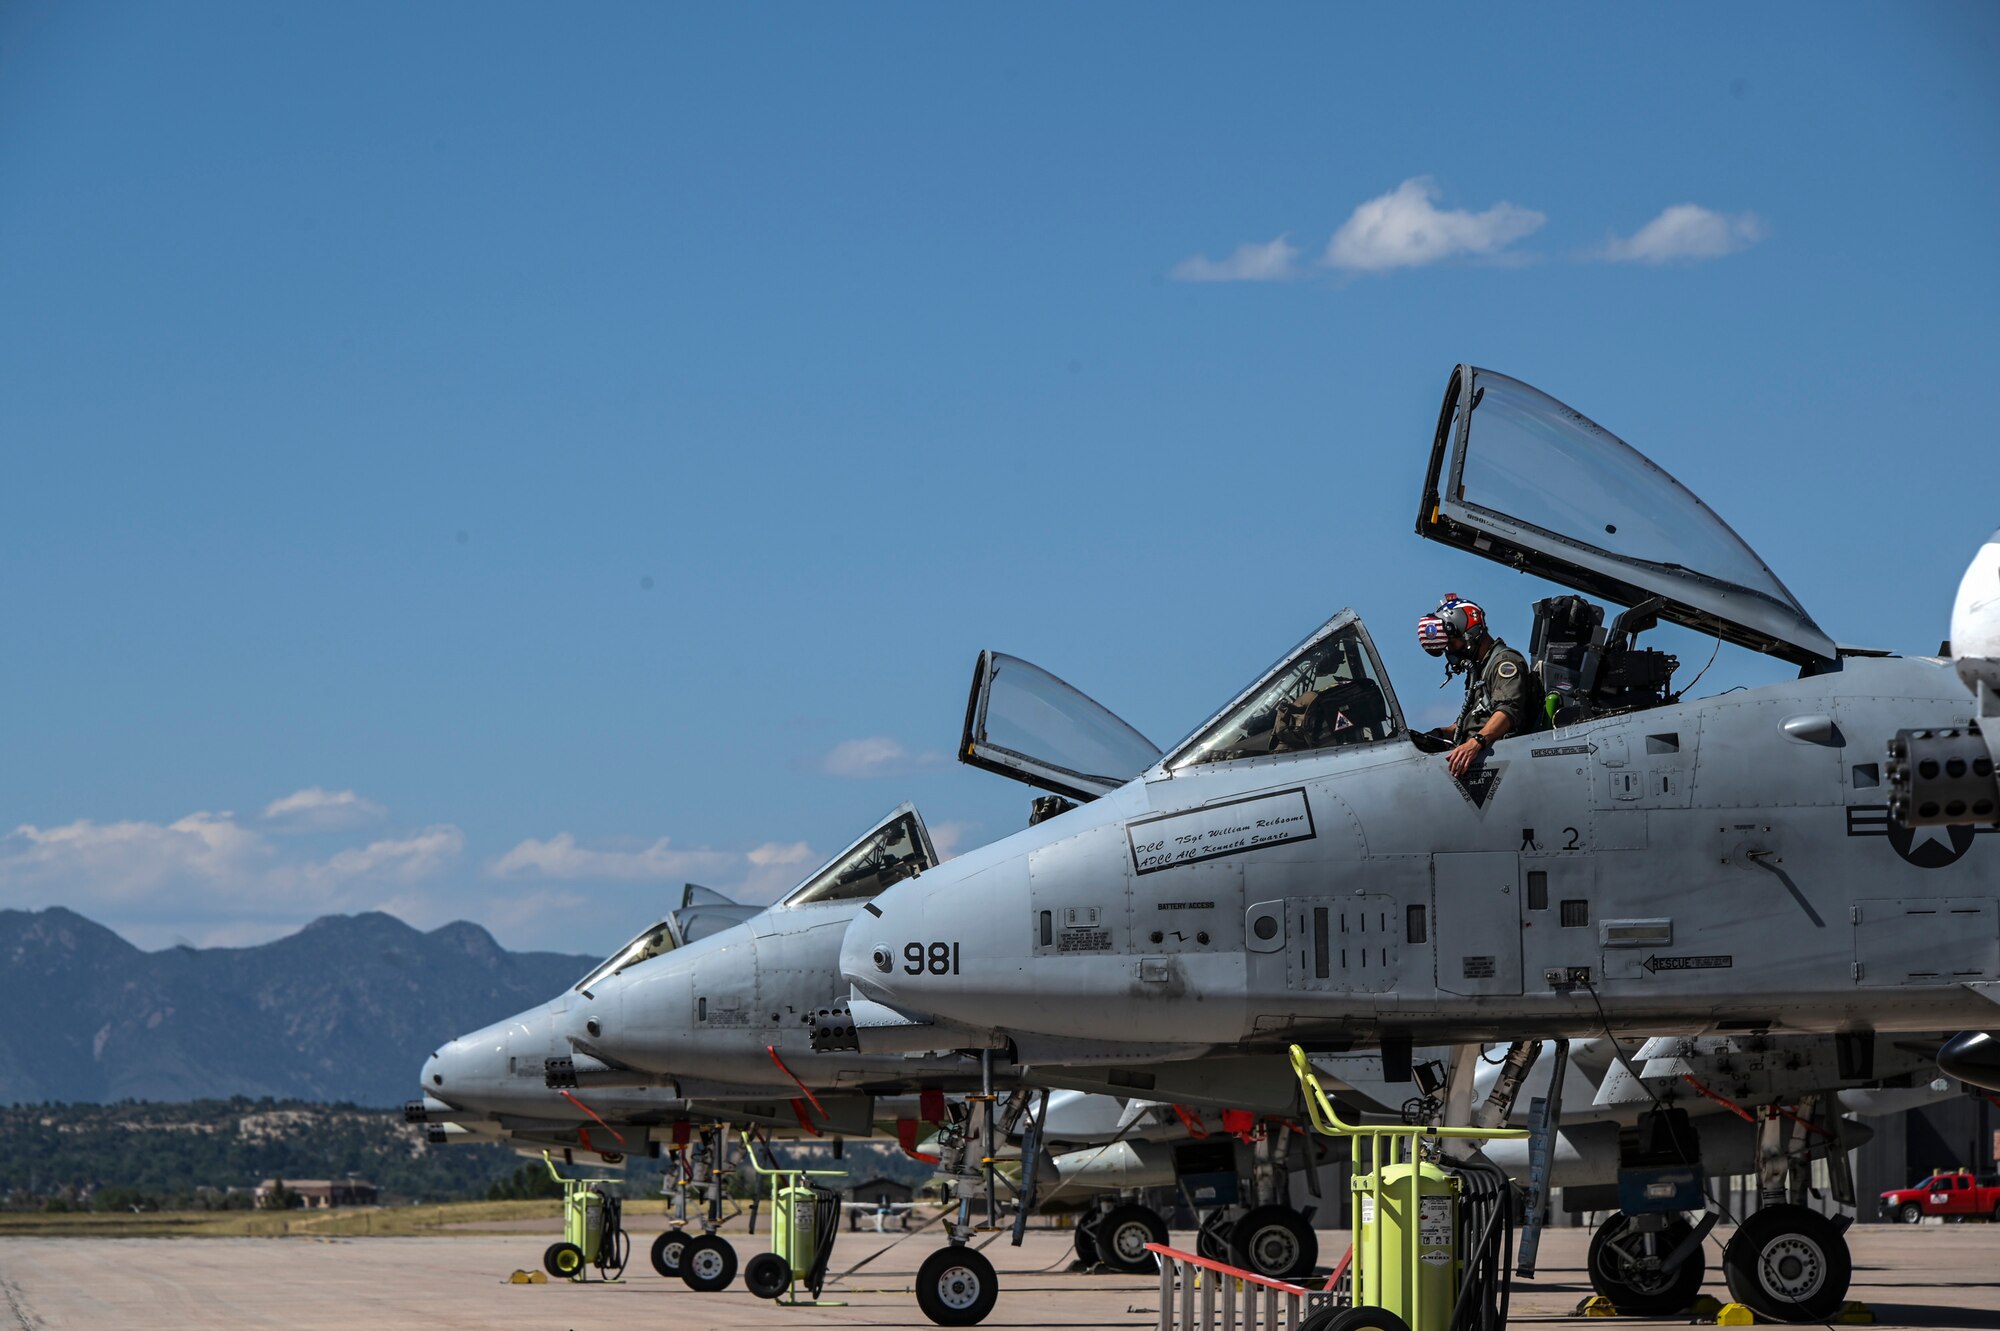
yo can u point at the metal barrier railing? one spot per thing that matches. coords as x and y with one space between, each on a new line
1244 1300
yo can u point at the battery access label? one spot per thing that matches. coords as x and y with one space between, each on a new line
1229 828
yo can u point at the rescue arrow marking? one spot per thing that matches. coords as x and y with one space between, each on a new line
1655 964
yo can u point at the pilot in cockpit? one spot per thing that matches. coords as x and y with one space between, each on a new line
1499 689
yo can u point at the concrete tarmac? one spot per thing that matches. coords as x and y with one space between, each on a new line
1928 1276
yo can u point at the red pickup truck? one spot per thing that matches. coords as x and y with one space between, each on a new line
1957 1196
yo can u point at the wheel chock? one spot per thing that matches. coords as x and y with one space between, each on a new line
542 1278
1596 1306
1735 1314
1855 1313
1704 1308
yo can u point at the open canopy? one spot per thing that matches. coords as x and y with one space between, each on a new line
1517 477
1328 692
1023 722
896 848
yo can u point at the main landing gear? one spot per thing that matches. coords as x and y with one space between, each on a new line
1785 1262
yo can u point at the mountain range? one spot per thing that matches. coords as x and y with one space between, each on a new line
346 1009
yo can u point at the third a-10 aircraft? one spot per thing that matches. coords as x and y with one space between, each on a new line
1805 857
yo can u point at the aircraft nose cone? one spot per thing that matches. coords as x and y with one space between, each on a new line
1973 1057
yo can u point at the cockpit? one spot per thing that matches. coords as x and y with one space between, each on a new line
1324 694
895 849
1515 477
703 911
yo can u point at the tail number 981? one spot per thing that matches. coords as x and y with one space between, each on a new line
931 958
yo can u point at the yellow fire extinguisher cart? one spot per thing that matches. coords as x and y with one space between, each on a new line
1408 1260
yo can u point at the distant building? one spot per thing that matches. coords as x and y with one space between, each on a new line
889 1199
318 1193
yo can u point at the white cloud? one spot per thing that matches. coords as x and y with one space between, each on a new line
947 836
1273 261
397 859
1406 229
772 854
561 857
207 877
317 808
876 755
774 869
1685 233
125 860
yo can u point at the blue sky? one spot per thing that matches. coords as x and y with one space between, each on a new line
500 462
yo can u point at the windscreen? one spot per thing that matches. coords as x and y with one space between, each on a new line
892 852
1031 714
697 922
652 943
1530 458
1325 695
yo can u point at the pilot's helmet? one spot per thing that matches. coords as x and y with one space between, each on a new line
1453 615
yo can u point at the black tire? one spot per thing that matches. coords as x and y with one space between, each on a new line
1788 1264
1275 1242
708 1264
562 1260
667 1250
956 1287
1363 1318
1086 1246
767 1275
1212 1239
1122 1236
1624 1268
1910 1213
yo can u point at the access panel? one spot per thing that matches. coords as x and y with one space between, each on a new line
1476 910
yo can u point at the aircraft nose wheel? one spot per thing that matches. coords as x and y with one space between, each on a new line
956 1287
1788 1264
708 1264
1624 1264
1274 1241
667 1251
1122 1236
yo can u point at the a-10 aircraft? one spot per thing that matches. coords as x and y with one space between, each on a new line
484 1086
651 1022
1303 868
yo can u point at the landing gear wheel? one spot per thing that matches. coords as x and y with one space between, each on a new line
767 1275
562 1260
1086 1246
1788 1264
1275 1242
1212 1239
1363 1318
1624 1265
667 1250
1122 1237
708 1264
956 1287
1910 1213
